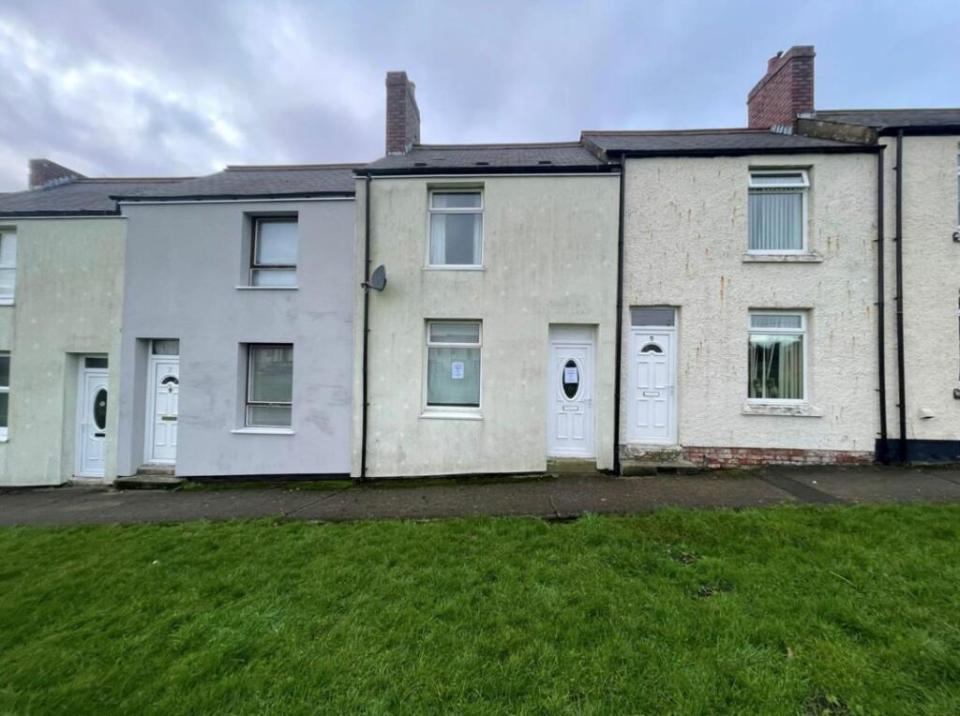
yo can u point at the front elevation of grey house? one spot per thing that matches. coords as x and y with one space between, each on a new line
237 355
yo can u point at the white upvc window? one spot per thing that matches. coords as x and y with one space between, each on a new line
8 265
453 365
455 228
4 393
269 385
777 211
273 258
777 357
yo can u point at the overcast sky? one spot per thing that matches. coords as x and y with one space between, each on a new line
184 87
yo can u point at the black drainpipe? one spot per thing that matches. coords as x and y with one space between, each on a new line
901 381
883 454
366 317
619 341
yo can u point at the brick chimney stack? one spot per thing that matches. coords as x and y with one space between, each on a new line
403 115
43 171
785 91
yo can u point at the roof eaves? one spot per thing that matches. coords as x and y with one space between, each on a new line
488 170
234 197
743 151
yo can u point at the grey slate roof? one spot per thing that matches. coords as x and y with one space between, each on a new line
256 182
893 118
77 197
487 158
710 142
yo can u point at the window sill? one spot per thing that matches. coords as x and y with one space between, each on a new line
791 410
6 301
807 258
454 268
267 288
263 431
430 414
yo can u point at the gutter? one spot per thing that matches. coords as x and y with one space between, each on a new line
617 371
883 453
901 379
365 328
745 152
232 197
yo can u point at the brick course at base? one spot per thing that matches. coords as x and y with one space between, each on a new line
744 457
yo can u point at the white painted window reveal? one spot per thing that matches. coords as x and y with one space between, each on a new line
269 385
274 254
777 212
456 229
453 364
777 357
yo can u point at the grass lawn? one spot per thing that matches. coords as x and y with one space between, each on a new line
786 610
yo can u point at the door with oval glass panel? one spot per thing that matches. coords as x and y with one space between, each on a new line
163 395
570 414
91 417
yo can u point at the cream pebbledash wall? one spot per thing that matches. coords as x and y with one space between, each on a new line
685 245
931 280
67 304
550 257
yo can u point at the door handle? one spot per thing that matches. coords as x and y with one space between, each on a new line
99 435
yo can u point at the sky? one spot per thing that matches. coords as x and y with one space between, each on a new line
185 87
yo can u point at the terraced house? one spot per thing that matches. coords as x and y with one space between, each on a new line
782 292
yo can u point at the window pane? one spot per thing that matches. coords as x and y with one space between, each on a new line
4 402
456 200
776 320
453 377
95 362
271 374
268 415
168 347
452 332
782 179
8 279
5 370
8 250
652 316
455 239
776 367
273 277
276 243
776 221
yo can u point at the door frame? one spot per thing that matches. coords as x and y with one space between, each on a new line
79 410
591 345
150 415
635 331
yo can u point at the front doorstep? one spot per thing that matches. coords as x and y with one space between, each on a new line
148 482
572 465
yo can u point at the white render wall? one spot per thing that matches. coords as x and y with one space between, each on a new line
685 240
550 256
931 276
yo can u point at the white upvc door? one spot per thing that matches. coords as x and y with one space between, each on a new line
653 391
91 422
570 415
163 387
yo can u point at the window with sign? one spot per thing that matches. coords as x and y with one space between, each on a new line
453 364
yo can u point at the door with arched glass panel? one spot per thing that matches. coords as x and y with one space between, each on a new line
653 399
571 375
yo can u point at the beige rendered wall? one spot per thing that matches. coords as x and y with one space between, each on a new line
931 280
685 245
68 301
550 257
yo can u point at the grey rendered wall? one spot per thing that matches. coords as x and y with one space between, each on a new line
184 264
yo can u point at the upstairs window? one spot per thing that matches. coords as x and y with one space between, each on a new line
274 256
269 384
777 356
456 228
453 364
778 212
8 265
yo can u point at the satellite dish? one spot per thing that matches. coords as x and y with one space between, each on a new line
378 279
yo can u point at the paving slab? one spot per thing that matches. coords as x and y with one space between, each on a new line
882 484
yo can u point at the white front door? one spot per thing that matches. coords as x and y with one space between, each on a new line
653 394
91 421
164 388
570 420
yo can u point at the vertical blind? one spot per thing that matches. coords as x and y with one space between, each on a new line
776 220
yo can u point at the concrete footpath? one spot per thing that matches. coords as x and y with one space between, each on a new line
549 497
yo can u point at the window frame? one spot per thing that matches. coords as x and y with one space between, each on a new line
254 267
804 188
451 411
803 332
5 390
248 403
5 234
431 192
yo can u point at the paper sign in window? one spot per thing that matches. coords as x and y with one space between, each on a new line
570 375
456 370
